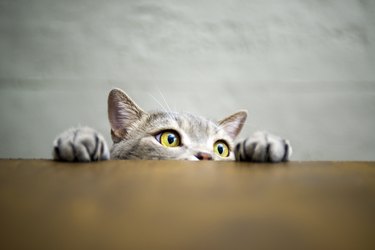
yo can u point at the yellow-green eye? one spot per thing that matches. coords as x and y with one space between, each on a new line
221 149
169 139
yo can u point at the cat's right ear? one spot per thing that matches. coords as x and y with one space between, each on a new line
234 123
123 114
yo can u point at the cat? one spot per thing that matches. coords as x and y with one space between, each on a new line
137 134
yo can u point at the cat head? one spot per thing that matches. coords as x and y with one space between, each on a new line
137 134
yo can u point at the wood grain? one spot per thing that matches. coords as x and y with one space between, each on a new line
186 205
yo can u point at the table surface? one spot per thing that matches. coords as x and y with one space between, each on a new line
186 205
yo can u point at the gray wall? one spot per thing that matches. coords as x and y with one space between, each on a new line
303 69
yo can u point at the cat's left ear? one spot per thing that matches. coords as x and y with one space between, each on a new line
233 123
123 114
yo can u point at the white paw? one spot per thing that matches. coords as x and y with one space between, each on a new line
80 144
263 147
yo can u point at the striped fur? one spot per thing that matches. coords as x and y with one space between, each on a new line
134 135
263 147
80 145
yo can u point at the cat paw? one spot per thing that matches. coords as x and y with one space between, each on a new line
263 147
82 144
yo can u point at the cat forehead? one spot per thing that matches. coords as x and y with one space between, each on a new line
195 126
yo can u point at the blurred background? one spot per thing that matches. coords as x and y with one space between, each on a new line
303 69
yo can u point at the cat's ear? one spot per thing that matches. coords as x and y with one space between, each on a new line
123 114
233 123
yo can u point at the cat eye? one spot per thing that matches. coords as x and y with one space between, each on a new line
221 148
169 139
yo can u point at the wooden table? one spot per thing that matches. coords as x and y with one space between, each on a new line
186 205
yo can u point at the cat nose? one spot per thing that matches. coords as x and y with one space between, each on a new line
203 156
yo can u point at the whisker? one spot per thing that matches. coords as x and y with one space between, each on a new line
162 96
165 101
156 100
162 107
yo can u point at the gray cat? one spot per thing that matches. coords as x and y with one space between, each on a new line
137 134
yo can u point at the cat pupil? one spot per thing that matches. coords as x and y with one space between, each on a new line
220 149
171 139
